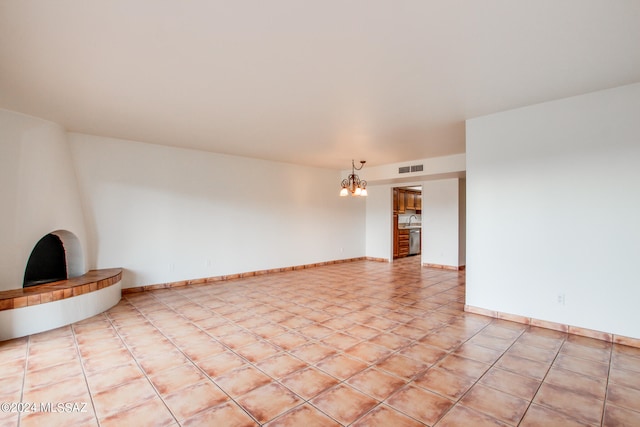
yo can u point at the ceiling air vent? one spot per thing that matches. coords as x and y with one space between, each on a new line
414 168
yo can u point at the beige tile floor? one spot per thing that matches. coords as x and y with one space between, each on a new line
362 344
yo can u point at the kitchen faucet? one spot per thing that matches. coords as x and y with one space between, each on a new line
412 216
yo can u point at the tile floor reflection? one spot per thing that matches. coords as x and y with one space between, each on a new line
360 344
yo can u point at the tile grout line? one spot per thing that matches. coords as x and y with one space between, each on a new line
276 380
317 340
564 340
606 390
451 352
195 364
397 351
84 373
24 376
135 359
389 301
415 376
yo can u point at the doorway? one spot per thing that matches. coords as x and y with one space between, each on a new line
407 221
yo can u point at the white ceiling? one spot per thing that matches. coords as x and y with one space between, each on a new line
309 82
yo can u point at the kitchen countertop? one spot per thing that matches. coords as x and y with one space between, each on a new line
409 227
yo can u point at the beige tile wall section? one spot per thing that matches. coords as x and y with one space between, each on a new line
584 332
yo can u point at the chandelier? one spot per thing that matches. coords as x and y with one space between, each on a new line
353 184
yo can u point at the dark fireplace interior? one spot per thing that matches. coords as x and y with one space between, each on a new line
47 262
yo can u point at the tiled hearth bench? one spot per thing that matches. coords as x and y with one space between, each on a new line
51 305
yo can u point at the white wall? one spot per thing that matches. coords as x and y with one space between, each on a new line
382 179
440 222
553 206
440 217
379 222
38 190
434 168
166 214
462 223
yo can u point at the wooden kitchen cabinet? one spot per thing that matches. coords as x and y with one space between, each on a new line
395 201
409 198
403 243
395 236
401 201
406 200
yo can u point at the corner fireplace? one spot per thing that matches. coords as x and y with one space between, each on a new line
47 263
57 289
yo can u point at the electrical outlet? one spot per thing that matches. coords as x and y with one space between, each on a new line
561 299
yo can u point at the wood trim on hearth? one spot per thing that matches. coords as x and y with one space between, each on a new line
93 280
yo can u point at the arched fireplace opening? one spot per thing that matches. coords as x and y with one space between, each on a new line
47 263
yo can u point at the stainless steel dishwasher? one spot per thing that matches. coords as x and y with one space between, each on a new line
414 241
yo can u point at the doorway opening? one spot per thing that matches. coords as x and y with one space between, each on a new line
407 221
